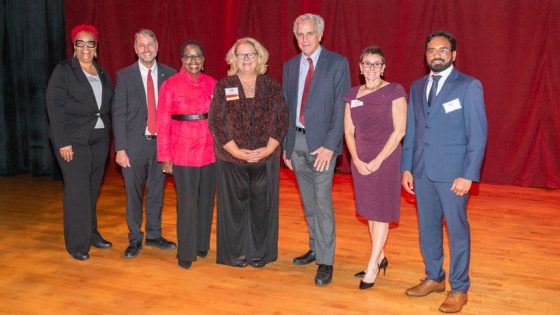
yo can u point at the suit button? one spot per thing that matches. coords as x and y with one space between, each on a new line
98 114
428 113
427 144
427 127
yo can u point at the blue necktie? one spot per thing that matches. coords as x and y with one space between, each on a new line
433 90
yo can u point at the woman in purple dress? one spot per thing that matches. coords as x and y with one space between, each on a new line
374 124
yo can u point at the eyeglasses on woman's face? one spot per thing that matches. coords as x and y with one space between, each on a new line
85 43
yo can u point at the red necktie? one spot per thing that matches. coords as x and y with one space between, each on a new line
306 90
152 119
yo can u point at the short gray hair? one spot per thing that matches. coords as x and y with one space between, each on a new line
316 19
145 32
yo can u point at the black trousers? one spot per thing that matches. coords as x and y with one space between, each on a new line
247 226
82 180
144 171
195 207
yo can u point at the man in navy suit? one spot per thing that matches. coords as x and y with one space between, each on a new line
135 142
314 83
442 154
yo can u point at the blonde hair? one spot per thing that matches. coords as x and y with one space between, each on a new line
262 56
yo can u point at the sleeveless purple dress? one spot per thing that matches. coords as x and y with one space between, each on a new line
377 194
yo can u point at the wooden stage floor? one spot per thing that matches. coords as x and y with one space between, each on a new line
515 266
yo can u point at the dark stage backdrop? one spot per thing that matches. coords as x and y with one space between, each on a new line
508 45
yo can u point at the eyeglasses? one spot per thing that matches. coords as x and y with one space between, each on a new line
247 55
86 43
441 51
368 65
192 57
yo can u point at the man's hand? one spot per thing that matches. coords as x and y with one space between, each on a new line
461 186
122 159
408 182
287 161
323 160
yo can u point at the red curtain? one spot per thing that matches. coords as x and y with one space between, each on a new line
508 45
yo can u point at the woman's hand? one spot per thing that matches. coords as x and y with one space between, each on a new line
374 165
259 154
167 167
66 153
361 166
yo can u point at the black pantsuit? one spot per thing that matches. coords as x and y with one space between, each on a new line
195 206
82 180
247 212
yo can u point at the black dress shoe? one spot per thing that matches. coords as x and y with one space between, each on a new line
257 263
366 285
161 243
324 275
305 259
133 249
202 253
101 243
239 262
80 256
185 263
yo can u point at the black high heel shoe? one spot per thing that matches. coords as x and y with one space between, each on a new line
382 265
366 285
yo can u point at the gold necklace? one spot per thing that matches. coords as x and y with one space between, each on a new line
375 87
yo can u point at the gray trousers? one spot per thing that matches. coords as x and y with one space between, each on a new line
315 189
144 170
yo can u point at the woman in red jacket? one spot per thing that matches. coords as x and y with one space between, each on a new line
185 147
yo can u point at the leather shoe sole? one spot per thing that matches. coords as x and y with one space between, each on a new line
80 256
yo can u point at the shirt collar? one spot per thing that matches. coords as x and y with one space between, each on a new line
314 56
444 74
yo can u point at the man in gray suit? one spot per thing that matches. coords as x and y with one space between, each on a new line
135 130
442 153
314 83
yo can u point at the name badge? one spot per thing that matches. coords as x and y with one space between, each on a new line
232 94
356 103
452 106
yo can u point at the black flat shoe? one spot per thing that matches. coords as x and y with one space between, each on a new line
80 256
185 263
101 243
202 253
304 259
160 243
366 285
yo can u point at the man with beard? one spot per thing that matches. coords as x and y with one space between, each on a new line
442 154
135 130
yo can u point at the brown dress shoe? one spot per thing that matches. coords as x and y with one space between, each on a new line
426 287
454 302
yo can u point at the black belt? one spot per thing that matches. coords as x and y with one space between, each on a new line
150 137
189 117
302 130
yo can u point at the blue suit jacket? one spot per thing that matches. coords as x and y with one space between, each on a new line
440 145
324 111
